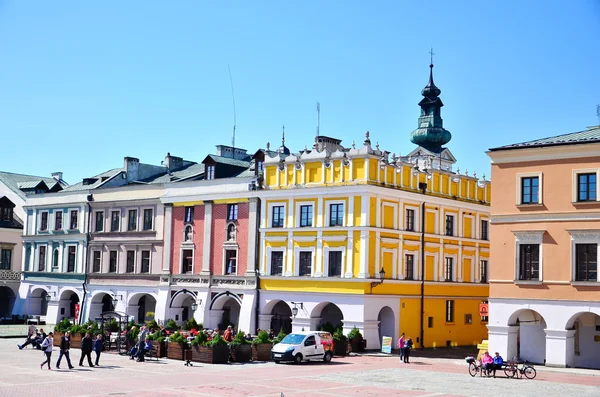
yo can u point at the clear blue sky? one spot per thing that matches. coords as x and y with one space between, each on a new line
83 84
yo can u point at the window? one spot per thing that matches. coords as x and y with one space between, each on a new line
42 259
529 261
586 266
148 219
259 166
115 220
210 172
230 262
468 318
336 215
410 220
71 259
6 214
112 262
130 262
448 270
55 258
99 221
277 263
306 215
278 216
335 263
96 262
530 190
483 271
132 220
44 222
429 322
586 187
189 214
409 263
187 233
145 262
449 225
187 261
5 259
449 311
305 264
232 212
58 220
484 230
74 216
310 341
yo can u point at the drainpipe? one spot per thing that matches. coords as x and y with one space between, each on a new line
87 258
257 262
423 187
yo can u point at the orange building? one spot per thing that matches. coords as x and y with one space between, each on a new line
545 231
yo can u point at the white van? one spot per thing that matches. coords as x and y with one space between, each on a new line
304 346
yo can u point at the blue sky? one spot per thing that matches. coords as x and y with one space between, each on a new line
83 84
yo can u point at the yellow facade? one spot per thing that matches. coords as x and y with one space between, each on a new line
382 207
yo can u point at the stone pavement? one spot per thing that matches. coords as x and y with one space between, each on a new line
20 376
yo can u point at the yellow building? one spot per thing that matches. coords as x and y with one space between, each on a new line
334 220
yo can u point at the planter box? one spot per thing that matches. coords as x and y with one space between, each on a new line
357 345
241 353
210 354
57 337
75 341
340 348
175 350
161 348
262 352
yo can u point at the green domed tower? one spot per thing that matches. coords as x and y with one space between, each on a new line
431 134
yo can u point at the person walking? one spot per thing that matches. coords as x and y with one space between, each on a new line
98 346
65 345
86 349
47 348
408 344
401 346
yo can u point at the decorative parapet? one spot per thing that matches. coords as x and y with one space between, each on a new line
10 275
228 282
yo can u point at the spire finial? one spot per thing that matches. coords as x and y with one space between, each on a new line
431 53
283 134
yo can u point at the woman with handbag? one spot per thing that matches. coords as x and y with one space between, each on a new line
47 348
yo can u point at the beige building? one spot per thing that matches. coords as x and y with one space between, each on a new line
545 231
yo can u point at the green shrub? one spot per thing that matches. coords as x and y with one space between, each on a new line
327 327
171 325
78 330
354 333
338 336
63 326
152 324
192 324
200 340
239 339
131 324
112 325
156 337
177 337
217 340
262 337
279 336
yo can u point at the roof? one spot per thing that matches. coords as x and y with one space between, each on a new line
590 135
229 161
189 172
100 180
16 182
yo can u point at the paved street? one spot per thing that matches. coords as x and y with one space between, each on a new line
20 375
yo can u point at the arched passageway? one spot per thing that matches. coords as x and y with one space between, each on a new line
225 310
7 300
387 323
66 304
37 304
282 318
583 348
531 336
140 305
331 316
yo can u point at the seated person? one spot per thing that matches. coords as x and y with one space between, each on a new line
35 339
498 361
487 362
133 352
145 347
248 336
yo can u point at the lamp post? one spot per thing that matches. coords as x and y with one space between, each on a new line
194 306
295 308
381 277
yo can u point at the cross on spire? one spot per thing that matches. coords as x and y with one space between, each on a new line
431 53
283 134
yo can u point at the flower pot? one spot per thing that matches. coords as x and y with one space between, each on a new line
357 344
210 354
175 350
340 348
261 352
241 353
160 347
57 337
75 341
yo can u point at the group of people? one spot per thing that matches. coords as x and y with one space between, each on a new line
87 346
491 364
143 345
405 344
34 338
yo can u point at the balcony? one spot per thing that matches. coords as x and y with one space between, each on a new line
207 281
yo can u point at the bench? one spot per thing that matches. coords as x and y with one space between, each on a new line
151 354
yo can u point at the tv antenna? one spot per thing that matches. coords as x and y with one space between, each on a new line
233 98
319 117
598 113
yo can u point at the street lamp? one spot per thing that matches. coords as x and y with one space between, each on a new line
295 308
194 306
49 296
115 299
381 277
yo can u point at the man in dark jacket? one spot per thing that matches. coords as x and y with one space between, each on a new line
65 345
86 349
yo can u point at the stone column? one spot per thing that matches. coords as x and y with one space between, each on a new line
560 348
264 321
319 270
252 237
305 324
349 273
208 206
503 339
215 317
168 236
364 255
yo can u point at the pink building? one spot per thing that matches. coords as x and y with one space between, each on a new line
545 232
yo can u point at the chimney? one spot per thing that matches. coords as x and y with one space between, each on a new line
231 152
173 163
57 176
131 166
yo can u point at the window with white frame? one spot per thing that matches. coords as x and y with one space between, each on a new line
449 225
130 268
210 172
96 262
449 269
278 216
305 263
306 215
189 214
187 261
586 262
410 220
148 219
112 261
336 214
529 188
230 262
449 311
529 256
232 212
58 220
74 217
5 258
409 263
484 229
44 221
115 220
483 271
71 257
145 268
586 187
132 220
99 221
42 258
55 263
276 263
335 264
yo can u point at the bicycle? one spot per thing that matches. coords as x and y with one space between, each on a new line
512 370
474 366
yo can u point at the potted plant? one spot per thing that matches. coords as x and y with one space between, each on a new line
158 341
356 340
152 324
279 337
192 324
59 330
77 333
215 351
172 326
176 346
261 347
149 316
241 350
340 343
